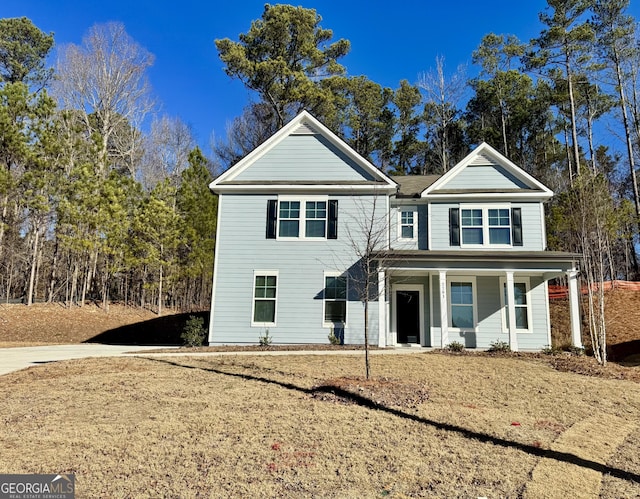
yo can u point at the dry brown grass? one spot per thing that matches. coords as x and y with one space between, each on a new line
301 426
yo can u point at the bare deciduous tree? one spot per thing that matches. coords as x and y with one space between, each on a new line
105 79
167 150
442 96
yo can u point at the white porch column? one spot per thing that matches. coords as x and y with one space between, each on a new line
511 307
574 308
382 309
444 308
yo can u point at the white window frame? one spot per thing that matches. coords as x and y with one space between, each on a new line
474 305
485 225
414 213
264 273
503 305
302 228
324 298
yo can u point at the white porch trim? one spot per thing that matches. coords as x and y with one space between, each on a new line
382 309
444 307
574 308
511 306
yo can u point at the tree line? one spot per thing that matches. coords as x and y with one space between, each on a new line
94 207
91 207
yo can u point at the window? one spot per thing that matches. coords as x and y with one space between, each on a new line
521 302
407 223
316 219
264 298
289 216
310 218
462 300
472 232
486 225
499 226
335 299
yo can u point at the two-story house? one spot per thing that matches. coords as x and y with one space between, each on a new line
458 257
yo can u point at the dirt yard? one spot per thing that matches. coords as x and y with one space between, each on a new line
429 425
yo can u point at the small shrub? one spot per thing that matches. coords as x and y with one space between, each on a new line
499 347
577 351
194 332
551 350
455 346
265 340
333 339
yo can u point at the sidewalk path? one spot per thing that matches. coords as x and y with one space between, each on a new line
14 359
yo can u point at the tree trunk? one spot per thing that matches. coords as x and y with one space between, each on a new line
34 261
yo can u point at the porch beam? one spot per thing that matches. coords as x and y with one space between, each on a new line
511 307
382 309
444 309
574 308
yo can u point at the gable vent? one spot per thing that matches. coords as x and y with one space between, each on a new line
304 129
482 160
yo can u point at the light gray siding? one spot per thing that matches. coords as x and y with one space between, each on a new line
421 240
489 312
532 226
304 157
243 249
484 177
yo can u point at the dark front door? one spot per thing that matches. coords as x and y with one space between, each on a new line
408 316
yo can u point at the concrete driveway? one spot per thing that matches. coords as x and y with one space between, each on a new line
14 359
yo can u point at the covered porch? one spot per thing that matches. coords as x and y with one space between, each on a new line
432 299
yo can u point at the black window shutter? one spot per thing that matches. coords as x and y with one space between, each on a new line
516 226
454 226
272 218
332 229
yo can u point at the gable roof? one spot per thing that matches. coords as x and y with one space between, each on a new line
485 173
365 175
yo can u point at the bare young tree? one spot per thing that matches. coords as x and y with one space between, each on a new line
105 79
442 94
368 237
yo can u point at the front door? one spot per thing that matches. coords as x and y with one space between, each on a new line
408 316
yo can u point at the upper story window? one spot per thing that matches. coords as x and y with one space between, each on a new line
316 219
407 223
311 218
289 219
474 226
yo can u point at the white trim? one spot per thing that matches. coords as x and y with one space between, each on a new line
574 308
394 308
265 273
382 306
303 118
214 284
429 243
485 225
444 311
335 273
500 159
414 213
430 281
516 280
474 291
543 222
548 311
258 188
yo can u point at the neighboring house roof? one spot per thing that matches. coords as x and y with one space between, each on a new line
485 173
411 186
301 140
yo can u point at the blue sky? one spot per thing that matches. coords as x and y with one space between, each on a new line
390 41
